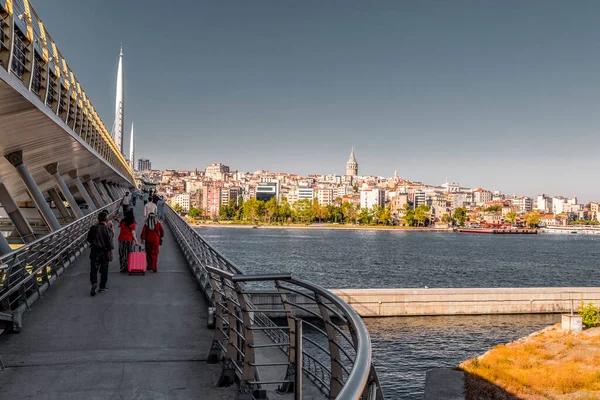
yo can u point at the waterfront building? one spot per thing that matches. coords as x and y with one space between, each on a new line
372 197
481 196
342 191
461 199
352 165
266 191
398 203
594 210
523 204
325 196
213 200
544 203
306 193
557 204
144 164
183 199
420 198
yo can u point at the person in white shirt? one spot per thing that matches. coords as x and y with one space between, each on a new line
150 208
125 202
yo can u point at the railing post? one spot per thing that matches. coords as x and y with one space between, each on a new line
227 377
290 373
216 352
249 374
298 357
337 381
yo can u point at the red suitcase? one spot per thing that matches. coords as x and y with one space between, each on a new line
136 263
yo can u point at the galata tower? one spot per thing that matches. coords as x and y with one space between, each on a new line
352 165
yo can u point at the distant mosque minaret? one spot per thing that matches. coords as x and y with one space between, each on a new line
352 165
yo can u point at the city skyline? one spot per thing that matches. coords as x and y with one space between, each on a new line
503 95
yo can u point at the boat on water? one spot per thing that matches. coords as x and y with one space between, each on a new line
573 230
496 231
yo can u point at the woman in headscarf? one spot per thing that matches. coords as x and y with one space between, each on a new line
127 238
152 235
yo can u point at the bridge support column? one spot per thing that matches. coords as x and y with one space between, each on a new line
93 191
104 186
105 197
4 246
114 191
83 191
16 216
53 171
60 206
16 159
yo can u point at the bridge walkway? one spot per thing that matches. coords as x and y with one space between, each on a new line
146 338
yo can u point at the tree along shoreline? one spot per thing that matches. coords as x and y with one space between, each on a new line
320 227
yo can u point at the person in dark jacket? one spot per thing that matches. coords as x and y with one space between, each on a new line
100 239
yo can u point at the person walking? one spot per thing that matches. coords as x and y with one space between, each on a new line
152 236
145 197
125 202
160 207
133 197
150 208
100 239
127 238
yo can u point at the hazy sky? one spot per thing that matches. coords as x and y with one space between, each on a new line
498 94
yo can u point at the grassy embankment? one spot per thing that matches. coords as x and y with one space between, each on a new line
549 364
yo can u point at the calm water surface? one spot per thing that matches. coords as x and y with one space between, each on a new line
404 348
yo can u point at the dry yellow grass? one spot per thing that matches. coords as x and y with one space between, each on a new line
550 364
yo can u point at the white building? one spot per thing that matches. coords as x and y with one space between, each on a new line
557 204
183 199
523 204
544 203
372 197
325 196
306 193
481 196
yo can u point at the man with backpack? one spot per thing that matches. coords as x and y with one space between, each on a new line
100 239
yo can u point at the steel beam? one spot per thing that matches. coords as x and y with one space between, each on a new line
60 206
111 189
16 216
104 186
100 189
83 190
4 246
92 189
16 159
53 171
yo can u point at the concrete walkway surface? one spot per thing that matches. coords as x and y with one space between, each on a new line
146 338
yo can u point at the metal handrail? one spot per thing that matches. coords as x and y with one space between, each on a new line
337 358
27 272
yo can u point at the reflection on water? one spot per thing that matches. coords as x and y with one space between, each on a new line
404 348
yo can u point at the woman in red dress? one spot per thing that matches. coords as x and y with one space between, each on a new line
152 235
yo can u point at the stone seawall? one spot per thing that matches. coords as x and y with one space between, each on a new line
449 301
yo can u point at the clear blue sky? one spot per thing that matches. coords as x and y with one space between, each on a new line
499 94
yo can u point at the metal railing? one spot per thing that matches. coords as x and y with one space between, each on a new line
333 350
28 52
29 271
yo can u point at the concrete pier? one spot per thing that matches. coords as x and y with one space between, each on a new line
452 301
